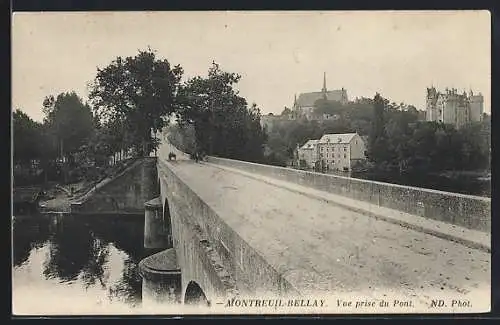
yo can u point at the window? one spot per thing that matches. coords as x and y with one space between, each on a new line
345 156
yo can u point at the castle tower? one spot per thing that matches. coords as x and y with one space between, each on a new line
431 112
476 103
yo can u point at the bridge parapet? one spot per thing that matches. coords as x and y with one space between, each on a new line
468 211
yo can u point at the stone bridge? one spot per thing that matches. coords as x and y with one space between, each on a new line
227 229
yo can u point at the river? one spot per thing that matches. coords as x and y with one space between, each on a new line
76 264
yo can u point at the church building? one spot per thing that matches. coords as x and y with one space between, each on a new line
303 106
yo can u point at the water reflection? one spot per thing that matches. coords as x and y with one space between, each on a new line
71 249
95 256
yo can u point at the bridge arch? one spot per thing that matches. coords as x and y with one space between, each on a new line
194 295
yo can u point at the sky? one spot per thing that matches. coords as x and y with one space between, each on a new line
278 54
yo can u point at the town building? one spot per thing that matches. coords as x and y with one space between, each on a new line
340 151
267 121
308 154
451 107
303 106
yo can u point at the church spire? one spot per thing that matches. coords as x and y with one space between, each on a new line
295 101
324 83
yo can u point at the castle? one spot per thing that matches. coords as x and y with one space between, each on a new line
454 108
304 104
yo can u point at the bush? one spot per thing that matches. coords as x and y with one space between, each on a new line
274 160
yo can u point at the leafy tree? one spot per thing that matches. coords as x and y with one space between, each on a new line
377 146
224 125
70 121
476 139
325 106
26 132
182 137
138 92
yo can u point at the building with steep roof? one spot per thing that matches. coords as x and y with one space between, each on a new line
340 151
303 106
308 154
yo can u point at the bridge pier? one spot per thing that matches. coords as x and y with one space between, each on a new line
161 275
155 233
161 278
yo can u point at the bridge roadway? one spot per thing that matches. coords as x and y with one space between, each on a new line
321 247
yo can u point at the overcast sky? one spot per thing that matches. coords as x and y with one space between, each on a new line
278 54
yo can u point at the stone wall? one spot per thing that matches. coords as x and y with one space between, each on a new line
468 211
126 193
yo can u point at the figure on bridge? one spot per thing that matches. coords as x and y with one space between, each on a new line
203 155
198 155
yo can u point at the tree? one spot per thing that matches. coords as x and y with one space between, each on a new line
224 125
377 146
476 140
255 134
27 134
136 93
182 137
70 121
325 106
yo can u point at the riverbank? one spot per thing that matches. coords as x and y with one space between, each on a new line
58 198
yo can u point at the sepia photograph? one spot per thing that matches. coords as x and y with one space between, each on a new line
251 162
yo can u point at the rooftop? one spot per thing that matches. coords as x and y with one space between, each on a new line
308 99
337 138
310 144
